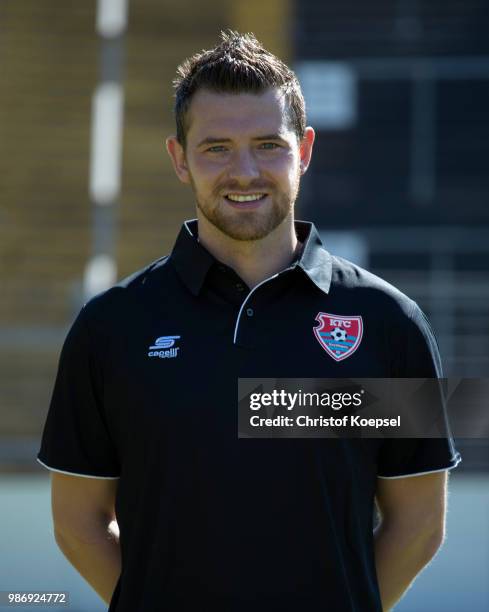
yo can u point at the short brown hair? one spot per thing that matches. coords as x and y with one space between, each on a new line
239 64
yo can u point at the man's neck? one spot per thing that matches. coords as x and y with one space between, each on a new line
253 260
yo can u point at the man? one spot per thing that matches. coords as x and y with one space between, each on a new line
142 426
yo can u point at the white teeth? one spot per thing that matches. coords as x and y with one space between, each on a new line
245 198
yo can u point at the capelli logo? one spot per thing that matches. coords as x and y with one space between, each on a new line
164 347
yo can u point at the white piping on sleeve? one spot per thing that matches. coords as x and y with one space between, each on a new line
244 302
76 474
419 473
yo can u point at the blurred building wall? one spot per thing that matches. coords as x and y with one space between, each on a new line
50 67
398 92
423 227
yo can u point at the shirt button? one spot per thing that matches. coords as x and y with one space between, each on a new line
240 286
250 312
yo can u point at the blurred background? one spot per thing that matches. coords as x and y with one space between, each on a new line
398 92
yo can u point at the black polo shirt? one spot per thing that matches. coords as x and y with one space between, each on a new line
146 392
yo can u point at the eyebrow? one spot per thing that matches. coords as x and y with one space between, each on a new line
269 137
210 140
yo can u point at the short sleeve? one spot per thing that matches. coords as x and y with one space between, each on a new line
417 356
76 437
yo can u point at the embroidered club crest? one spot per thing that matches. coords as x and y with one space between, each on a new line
338 335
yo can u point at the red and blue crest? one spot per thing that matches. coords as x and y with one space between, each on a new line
339 336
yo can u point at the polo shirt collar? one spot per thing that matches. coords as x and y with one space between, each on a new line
192 261
315 261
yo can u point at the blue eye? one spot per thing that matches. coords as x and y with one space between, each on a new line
216 149
269 146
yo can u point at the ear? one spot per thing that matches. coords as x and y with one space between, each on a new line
177 155
305 148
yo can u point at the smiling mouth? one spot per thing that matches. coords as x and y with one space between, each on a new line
244 198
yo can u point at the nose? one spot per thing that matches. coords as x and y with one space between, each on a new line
243 166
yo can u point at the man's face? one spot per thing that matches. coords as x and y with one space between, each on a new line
242 160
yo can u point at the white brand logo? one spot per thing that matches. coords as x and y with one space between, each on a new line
164 348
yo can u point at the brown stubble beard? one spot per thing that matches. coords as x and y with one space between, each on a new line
253 225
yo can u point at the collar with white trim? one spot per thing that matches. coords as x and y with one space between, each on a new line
192 261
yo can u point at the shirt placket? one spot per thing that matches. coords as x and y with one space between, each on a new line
249 310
